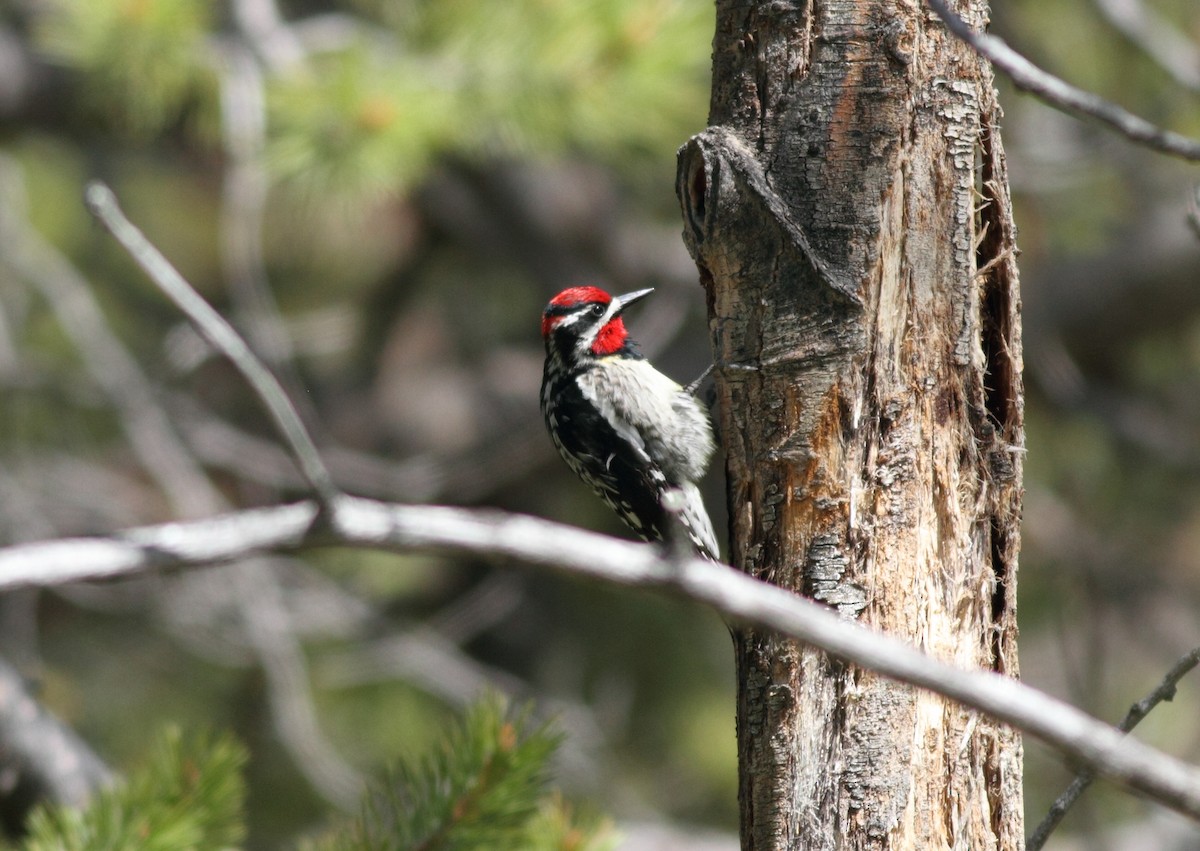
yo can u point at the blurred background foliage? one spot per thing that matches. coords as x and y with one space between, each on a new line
382 195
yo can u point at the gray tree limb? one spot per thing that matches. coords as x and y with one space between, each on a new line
498 536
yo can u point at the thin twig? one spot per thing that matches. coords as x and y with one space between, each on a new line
41 757
150 433
1163 691
1062 95
243 202
10 359
222 445
405 528
255 588
289 691
102 204
245 185
1157 37
694 385
263 26
1193 214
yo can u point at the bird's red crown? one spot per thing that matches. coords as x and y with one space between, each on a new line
570 298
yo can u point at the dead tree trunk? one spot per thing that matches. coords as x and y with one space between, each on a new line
848 211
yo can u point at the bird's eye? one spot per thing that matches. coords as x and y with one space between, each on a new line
597 310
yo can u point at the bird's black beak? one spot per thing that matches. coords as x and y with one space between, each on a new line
624 301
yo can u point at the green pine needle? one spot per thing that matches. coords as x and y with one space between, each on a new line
359 125
190 797
618 80
141 60
482 787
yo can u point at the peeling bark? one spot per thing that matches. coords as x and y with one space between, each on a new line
848 212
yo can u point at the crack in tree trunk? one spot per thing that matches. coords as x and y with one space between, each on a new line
848 212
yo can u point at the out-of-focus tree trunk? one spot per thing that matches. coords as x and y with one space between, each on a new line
848 210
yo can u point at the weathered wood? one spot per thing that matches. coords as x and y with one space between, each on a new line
848 212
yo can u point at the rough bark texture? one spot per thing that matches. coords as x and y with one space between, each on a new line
848 211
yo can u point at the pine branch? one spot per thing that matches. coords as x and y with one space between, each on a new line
484 785
189 797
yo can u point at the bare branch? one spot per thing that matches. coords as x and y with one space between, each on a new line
190 494
270 632
1193 215
1174 52
243 201
151 435
221 445
262 24
10 360
102 204
1062 95
360 522
41 759
1163 691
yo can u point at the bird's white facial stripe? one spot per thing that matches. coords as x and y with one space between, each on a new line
572 318
586 340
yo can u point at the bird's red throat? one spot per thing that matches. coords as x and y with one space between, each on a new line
611 338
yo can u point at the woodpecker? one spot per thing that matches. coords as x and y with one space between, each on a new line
627 430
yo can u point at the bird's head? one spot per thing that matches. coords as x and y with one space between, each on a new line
585 322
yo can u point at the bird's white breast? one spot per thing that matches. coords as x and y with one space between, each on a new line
653 412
